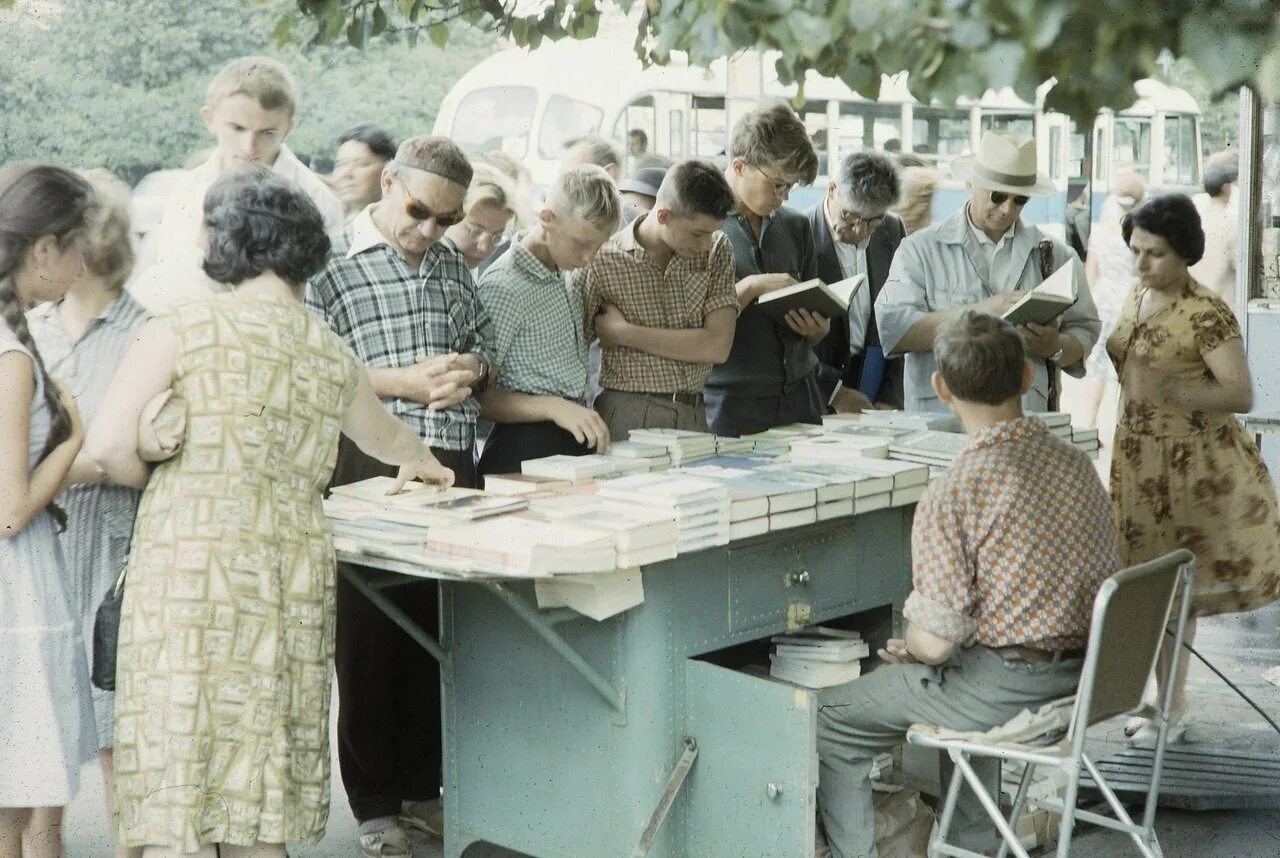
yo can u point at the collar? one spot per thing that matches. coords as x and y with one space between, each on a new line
984 239
287 166
524 260
628 241
116 314
364 233
1010 431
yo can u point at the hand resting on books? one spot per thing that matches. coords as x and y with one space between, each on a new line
426 470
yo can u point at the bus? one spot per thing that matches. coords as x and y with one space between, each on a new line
529 103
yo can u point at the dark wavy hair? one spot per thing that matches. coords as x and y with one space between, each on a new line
258 221
1174 218
378 141
38 200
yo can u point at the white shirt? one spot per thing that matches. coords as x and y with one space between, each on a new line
998 254
853 261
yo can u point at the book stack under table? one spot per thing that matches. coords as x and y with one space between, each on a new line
818 657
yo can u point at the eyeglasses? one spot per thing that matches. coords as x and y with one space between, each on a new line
418 210
481 236
998 198
780 187
848 218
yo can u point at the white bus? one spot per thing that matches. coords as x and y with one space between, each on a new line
529 103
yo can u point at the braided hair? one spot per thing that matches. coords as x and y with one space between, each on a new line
38 200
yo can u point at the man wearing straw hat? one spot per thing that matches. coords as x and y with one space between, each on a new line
983 258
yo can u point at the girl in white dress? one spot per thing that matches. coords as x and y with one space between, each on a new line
47 729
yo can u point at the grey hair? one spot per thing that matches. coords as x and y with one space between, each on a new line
981 358
868 180
693 188
586 193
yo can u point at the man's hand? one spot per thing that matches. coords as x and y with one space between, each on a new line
895 652
611 326
752 287
812 326
586 426
440 381
996 305
850 400
1041 340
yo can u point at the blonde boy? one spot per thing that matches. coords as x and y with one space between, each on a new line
249 109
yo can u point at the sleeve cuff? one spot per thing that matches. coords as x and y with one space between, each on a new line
936 618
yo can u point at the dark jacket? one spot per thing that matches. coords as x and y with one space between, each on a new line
837 362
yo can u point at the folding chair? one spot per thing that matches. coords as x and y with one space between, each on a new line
1130 614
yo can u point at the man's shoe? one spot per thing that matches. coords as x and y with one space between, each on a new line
389 843
424 816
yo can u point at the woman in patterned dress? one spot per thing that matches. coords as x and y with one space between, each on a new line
46 715
226 637
83 338
1184 473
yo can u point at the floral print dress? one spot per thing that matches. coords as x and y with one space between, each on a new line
1192 479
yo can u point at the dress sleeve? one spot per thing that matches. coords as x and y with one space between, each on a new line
1213 324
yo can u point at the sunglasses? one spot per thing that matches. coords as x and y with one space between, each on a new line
998 198
418 210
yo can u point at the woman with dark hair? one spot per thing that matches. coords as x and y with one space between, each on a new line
1184 473
46 729
226 635
357 174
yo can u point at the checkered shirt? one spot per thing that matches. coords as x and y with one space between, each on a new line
537 321
680 296
1011 545
392 316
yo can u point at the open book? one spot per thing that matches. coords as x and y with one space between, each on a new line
828 299
1047 301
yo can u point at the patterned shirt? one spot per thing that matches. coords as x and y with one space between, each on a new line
677 297
537 321
393 316
1010 546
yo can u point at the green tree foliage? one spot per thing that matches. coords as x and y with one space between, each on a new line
119 83
1095 48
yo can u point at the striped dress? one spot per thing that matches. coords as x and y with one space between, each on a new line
99 517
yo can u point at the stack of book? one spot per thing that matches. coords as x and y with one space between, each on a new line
929 448
681 445
642 535
522 484
653 455
780 438
838 449
699 506
818 657
909 478
1086 439
597 596
762 497
420 505
1059 422
523 545
871 491
943 421
729 446
575 469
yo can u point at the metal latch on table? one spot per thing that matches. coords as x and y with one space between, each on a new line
678 775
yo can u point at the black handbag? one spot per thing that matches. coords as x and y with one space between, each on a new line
106 636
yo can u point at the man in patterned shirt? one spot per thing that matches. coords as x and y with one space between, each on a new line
406 306
661 298
537 404
1009 549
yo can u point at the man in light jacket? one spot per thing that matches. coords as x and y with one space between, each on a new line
982 258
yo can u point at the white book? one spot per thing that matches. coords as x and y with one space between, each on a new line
596 596
908 495
376 490
813 675
638 557
864 483
839 448
832 651
834 509
527 545
636 450
577 469
904 474
1051 418
521 484
930 442
828 299
816 636
826 488
795 518
1047 301
749 528
871 503
1084 433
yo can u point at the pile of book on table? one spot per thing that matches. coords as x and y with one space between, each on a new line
681 445
818 657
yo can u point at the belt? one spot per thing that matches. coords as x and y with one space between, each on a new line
681 398
1040 656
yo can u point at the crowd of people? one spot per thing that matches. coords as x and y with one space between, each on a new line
172 416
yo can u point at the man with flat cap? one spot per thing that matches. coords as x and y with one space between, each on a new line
641 187
983 258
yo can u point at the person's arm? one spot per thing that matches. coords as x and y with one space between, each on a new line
24 493
84 472
508 406
147 369
708 344
438 382
753 286
1229 390
943 577
380 435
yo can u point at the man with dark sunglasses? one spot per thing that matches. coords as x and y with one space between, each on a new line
983 258
405 304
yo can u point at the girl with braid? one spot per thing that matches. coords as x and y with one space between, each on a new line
47 730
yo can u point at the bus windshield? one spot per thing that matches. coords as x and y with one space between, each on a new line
497 117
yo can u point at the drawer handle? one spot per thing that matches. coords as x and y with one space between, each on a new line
797 579
773 791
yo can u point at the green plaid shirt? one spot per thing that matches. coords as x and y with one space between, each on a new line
392 316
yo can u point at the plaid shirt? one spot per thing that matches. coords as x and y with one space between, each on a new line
393 316
1011 545
537 320
677 297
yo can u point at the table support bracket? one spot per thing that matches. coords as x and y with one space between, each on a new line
372 588
674 783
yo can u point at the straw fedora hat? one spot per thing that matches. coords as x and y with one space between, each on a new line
1005 161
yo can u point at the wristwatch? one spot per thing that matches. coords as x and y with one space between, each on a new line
1056 357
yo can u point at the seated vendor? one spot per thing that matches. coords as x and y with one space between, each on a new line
1009 548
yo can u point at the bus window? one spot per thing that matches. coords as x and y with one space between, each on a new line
1131 145
1180 163
564 119
1055 152
639 115
867 125
498 117
941 132
710 138
676 148
1075 152
1020 123
815 123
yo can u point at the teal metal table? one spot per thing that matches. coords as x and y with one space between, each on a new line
650 733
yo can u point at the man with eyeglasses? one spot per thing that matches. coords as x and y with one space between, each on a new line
984 257
405 304
853 233
770 377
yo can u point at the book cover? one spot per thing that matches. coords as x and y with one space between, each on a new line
1047 301
827 299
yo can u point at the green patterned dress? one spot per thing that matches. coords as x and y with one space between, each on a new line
226 639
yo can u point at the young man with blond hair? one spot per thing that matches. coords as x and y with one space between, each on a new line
539 345
660 296
250 109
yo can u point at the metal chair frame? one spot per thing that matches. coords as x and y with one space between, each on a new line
1171 577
